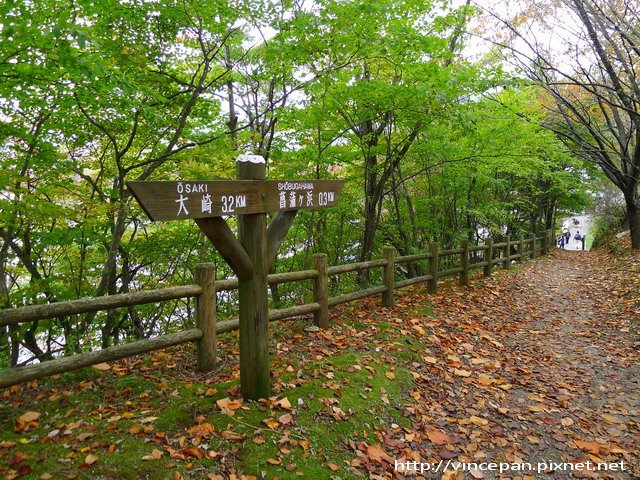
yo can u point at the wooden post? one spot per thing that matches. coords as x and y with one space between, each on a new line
464 263
521 248
533 246
507 253
488 256
544 248
432 285
206 315
321 291
252 296
388 297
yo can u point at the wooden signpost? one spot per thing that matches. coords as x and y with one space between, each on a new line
251 254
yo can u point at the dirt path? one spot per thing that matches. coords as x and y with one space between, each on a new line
560 379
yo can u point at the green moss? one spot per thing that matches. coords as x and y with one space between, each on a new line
364 401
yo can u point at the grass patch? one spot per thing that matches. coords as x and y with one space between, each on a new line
343 401
335 400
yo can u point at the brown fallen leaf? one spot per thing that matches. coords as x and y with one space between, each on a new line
438 437
28 417
231 435
102 366
587 446
204 430
285 419
229 406
377 454
154 455
282 403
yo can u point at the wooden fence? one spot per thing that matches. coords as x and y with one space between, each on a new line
205 287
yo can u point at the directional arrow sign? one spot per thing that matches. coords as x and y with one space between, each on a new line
199 199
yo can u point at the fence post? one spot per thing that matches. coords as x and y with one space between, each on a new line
206 315
464 263
321 290
488 256
545 243
521 248
432 285
388 297
533 245
507 253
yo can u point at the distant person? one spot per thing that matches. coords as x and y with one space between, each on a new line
567 237
561 241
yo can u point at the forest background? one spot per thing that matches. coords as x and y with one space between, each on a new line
435 139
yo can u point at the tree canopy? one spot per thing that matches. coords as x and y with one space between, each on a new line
432 145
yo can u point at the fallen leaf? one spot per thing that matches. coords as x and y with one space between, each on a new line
102 366
28 417
438 437
588 446
154 455
377 454
229 406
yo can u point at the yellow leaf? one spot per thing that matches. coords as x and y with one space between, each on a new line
271 422
283 403
91 459
478 421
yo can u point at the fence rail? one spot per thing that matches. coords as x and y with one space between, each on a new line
205 287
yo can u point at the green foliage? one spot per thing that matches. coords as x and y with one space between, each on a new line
95 94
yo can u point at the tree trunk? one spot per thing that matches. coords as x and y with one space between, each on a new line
633 218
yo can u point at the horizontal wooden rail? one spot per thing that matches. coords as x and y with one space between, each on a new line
17 375
412 281
478 265
13 316
272 279
350 297
451 271
413 258
451 251
274 315
354 267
